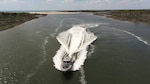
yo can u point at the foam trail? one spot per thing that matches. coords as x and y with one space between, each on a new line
82 78
57 58
87 25
139 38
74 42
56 30
44 49
81 58
28 76
91 25
91 51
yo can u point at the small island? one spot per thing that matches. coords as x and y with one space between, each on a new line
9 20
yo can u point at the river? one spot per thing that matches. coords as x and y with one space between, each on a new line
120 55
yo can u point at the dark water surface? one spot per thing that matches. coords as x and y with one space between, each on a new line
121 52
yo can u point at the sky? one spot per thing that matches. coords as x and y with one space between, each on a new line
73 4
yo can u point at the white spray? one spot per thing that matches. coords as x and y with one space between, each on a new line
75 40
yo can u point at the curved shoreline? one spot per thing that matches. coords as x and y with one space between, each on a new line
9 20
128 15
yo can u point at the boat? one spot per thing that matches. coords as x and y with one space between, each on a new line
73 43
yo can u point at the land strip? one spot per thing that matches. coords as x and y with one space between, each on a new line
9 20
128 15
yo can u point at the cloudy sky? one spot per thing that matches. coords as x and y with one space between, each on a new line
73 4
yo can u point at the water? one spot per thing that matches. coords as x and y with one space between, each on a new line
120 55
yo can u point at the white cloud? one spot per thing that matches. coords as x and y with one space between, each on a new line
102 1
68 1
49 0
132 4
11 1
73 4
130 1
98 4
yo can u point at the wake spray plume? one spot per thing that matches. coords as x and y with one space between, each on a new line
73 50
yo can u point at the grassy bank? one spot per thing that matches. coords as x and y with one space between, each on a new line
129 15
9 20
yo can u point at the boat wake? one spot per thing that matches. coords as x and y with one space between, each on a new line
56 30
28 76
73 50
134 35
82 78
87 25
139 38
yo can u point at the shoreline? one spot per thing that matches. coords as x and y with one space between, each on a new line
48 13
9 20
135 16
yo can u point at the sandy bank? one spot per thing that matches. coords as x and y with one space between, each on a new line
54 12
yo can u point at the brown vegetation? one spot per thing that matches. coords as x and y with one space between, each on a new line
130 15
9 20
